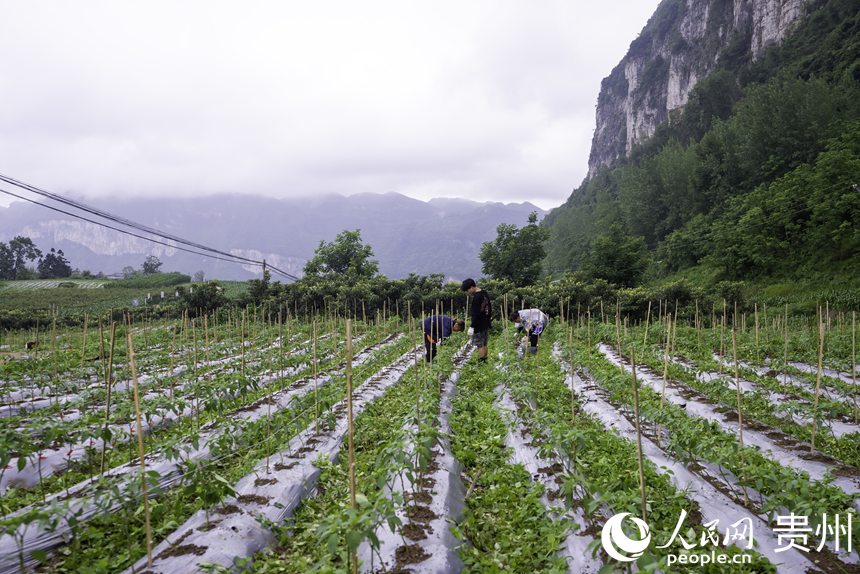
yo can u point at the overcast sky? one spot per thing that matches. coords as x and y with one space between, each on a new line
490 100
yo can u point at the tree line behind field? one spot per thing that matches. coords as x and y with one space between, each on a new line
17 255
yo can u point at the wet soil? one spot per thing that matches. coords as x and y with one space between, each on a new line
426 482
409 554
209 526
418 513
422 497
552 470
182 550
253 498
592 529
413 531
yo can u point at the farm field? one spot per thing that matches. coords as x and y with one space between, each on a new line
231 441
34 304
54 283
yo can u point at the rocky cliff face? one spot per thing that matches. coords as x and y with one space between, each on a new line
682 43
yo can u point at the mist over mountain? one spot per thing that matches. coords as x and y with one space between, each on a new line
407 235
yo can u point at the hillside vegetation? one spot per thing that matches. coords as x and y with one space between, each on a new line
757 179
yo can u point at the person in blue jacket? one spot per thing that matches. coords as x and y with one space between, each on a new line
436 328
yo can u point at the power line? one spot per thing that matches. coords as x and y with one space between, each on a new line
218 254
117 219
113 228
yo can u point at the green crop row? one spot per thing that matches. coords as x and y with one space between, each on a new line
204 484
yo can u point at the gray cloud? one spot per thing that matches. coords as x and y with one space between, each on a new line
489 99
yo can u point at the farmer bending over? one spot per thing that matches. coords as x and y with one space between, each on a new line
482 317
533 322
436 328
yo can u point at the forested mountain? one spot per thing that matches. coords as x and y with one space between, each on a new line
751 170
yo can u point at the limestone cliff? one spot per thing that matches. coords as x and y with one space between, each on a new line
681 44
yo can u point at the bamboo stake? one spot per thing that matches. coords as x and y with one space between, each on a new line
722 338
316 383
194 337
854 360
818 380
618 325
140 449
785 348
666 351
424 370
282 344
647 323
638 436
588 329
713 314
572 393
740 406
206 332
108 371
243 342
697 324
54 350
173 351
755 307
350 429
84 345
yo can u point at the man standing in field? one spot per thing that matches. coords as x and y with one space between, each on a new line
533 322
482 317
436 328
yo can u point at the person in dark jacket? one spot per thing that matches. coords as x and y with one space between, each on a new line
436 328
482 317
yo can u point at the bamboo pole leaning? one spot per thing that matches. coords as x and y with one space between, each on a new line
854 361
638 438
818 380
740 408
350 430
141 452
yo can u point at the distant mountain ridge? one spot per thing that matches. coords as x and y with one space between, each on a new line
407 235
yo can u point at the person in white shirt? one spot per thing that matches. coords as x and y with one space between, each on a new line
533 322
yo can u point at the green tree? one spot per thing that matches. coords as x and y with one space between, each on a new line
203 297
15 255
151 265
258 289
54 265
516 254
346 259
617 257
